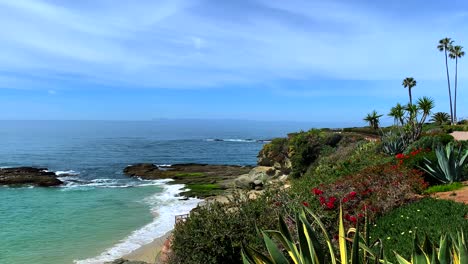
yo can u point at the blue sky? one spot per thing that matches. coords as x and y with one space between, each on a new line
298 60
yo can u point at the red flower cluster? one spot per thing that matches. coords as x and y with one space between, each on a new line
317 191
350 196
402 157
372 191
328 203
350 218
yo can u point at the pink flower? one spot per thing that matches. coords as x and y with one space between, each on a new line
306 204
352 194
353 219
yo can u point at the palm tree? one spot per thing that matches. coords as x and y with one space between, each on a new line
445 45
423 106
409 83
373 119
455 53
440 118
397 112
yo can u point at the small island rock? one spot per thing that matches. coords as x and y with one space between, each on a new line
28 176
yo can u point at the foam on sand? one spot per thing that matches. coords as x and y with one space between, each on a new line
164 207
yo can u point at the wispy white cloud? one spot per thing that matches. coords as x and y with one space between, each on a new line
191 43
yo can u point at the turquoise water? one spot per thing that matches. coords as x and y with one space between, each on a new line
58 225
99 214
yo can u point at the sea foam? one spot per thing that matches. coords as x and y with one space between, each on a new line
164 207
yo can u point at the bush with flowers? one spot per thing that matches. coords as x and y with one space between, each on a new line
372 191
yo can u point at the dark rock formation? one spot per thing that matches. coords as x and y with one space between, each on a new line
201 179
125 261
186 173
28 176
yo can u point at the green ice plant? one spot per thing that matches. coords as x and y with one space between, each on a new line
450 162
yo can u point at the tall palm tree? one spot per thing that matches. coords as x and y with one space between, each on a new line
373 119
456 52
445 45
397 112
409 83
440 118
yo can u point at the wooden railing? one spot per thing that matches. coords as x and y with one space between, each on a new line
181 218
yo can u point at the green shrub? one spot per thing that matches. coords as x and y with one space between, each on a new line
450 129
345 160
275 151
214 233
427 216
367 130
444 188
305 147
429 142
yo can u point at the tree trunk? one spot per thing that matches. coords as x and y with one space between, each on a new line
450 92
410 98
455 97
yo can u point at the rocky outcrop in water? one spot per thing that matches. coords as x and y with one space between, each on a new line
125 261
28 176
203 180
186 173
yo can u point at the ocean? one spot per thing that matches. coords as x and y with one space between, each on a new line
99 214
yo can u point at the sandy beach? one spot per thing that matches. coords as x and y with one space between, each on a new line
148 252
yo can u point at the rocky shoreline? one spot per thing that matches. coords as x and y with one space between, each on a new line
228 177
21 176
205 180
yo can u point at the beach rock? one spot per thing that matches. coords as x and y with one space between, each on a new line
258 183
125 261
243 181
28 176
260 172
283 178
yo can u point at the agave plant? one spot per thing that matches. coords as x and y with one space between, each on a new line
392 143
449 165
451 251
308 249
